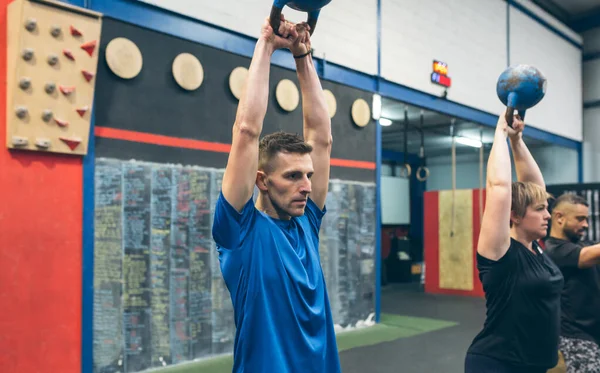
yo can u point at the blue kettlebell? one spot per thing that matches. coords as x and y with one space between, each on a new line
520 87
312 7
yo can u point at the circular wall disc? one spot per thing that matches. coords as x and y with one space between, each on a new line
361 113
287 95
237 81
188 71
124 58
331 102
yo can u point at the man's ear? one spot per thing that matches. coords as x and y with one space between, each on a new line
558 217
261 180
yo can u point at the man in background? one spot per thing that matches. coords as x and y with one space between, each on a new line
579 261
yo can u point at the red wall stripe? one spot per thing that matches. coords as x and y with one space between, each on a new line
178 142
148 138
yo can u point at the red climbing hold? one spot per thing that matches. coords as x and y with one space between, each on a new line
75 32
89 47
62 123
82 111
68 54
71 143
66 90
87 75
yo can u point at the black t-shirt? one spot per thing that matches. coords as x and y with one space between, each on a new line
580 314
522 291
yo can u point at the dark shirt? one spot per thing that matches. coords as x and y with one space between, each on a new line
580 315
522 291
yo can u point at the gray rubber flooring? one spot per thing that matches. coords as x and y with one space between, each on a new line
441 351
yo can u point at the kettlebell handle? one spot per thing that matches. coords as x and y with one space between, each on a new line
275 19
509 115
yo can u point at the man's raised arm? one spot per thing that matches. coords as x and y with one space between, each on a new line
240 173
317 124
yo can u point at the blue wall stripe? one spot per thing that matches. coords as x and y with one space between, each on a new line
346 76
87 312
428 101
378 150
548 26
435 103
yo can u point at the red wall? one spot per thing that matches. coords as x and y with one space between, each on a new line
40 253
431 243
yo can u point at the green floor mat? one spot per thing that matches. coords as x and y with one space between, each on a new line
421 324
390 328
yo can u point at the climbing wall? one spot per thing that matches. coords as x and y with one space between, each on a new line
52 60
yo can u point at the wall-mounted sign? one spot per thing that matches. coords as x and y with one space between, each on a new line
440 74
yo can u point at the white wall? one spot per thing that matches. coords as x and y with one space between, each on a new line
346 31
591 115
558 165
591 146
468 35
395 200
560 111
395 197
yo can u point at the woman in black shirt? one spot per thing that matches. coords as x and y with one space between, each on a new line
522 285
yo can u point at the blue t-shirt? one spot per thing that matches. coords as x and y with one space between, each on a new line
273 272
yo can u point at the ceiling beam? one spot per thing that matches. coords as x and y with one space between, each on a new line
587 21
554 9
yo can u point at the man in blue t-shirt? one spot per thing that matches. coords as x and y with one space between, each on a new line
268 251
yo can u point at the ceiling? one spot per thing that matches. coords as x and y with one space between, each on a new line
436 131
573 13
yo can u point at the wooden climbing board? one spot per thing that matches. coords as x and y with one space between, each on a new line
456 240
51 75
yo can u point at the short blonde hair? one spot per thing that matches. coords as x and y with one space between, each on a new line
525 194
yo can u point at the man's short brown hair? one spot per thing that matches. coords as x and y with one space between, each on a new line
280 142
570 199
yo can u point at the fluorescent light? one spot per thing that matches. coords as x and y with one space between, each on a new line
468 142
376 106
385 122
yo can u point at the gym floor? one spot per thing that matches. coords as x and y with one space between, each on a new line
441 350
418 333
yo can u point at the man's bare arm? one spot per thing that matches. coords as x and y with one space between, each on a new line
240 173
317 124
589 256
